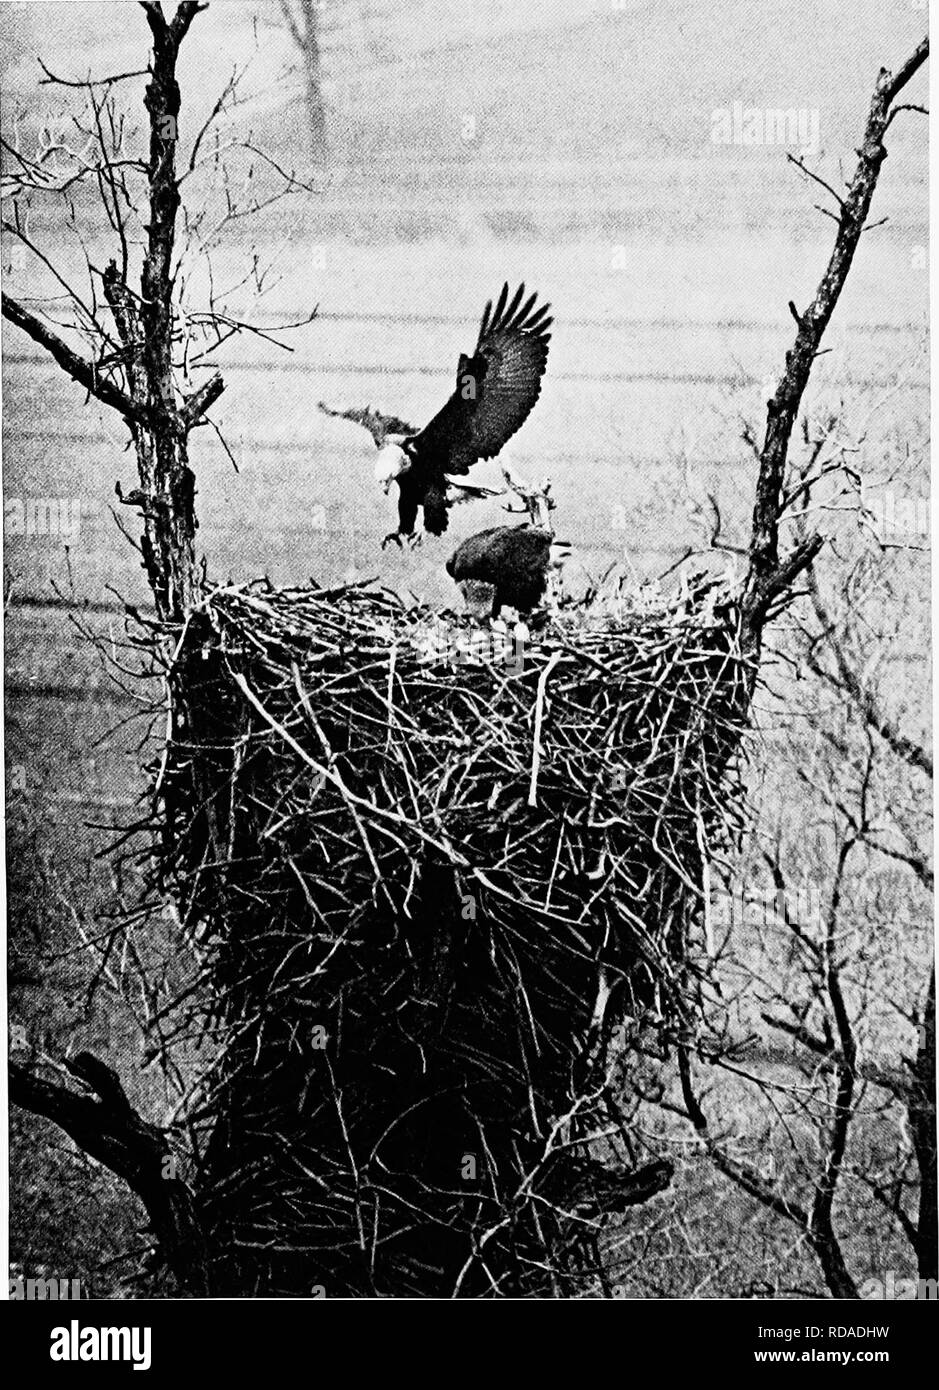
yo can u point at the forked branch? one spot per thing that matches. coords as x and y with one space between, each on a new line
110 1130
767 578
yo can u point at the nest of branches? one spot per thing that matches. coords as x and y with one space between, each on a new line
433 868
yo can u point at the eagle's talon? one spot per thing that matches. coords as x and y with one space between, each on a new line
404 540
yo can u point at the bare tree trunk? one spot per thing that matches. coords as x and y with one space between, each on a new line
159 423
922 1113
769 581
769 577
303 24
113 1133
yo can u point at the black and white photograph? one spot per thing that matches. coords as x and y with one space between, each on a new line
467 653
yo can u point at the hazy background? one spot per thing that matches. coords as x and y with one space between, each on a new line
566 144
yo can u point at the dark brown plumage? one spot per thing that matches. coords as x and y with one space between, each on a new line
515 560
496 389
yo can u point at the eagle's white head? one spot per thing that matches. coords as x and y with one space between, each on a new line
392 461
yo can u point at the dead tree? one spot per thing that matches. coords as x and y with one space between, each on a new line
782 494
146 362
159 420
769 576
141 366
302 18
135 376
832 976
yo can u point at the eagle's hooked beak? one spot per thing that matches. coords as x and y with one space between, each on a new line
391 463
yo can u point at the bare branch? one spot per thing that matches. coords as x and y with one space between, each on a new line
800 164
78 368
784 406
864 700
195 407
110 1130
822 1232
84 83
922 1113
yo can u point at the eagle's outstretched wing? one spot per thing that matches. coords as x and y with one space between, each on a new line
496 388
378 425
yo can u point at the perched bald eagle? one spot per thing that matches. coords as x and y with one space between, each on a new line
496 389
513 562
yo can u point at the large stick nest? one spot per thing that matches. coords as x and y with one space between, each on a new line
433 869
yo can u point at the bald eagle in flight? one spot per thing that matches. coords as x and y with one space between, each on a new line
496 388
513 562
